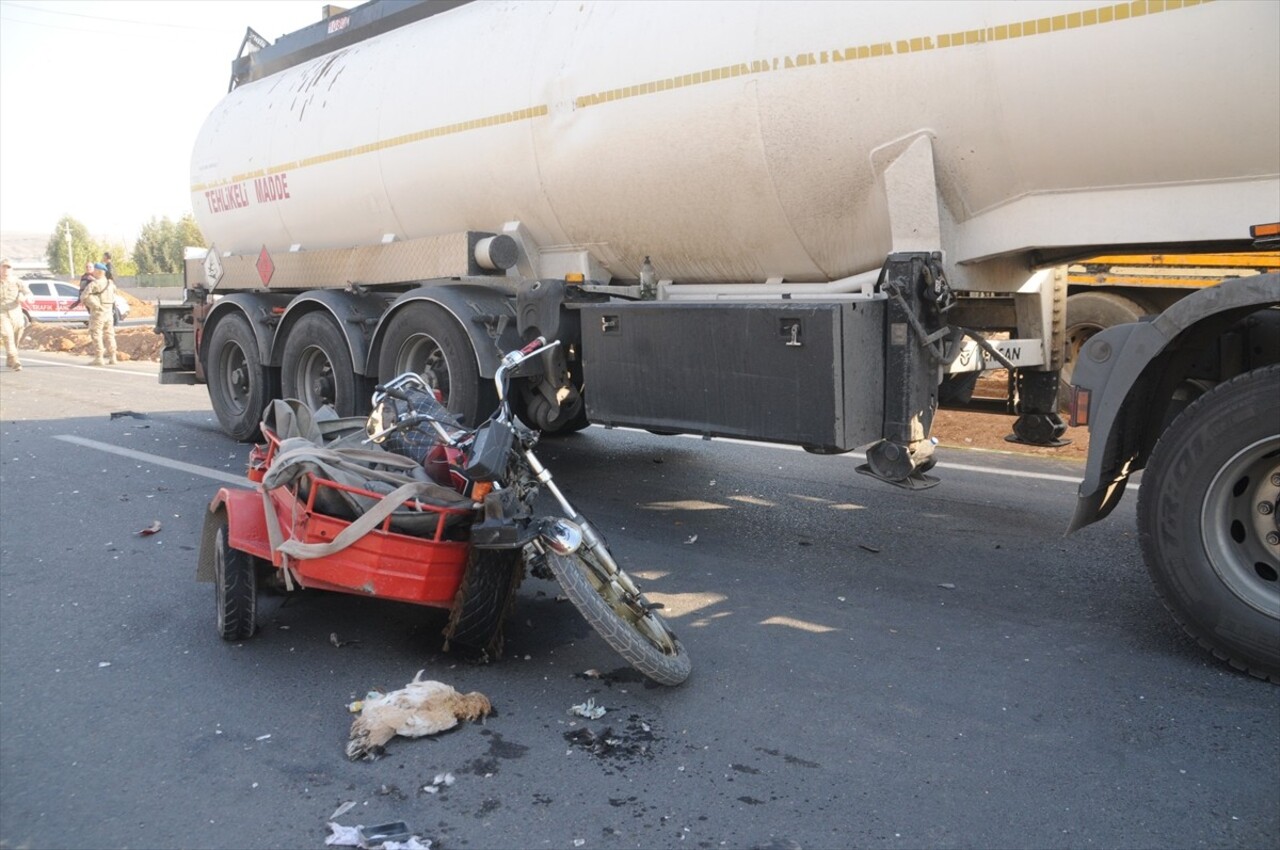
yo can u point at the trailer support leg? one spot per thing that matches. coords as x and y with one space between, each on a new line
905 452
1035 400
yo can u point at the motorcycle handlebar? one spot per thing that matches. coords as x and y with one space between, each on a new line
514 358
394 392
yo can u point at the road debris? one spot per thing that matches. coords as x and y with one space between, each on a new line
154 528
120 414
419 708
387 836
589 710
442 779
343 809
947 585
333 639
872 549
693 539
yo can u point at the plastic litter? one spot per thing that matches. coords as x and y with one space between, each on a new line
589 710
387 836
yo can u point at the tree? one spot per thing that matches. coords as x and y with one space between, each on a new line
83 247
122 264
159 246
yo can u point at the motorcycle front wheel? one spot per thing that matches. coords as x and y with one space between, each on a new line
625 620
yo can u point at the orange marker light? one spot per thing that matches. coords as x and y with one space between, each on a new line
1079 407
1259 231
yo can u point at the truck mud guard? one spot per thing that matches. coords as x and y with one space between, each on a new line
487 315
1118 371
356 312
259 309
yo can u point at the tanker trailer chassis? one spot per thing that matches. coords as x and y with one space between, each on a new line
832 374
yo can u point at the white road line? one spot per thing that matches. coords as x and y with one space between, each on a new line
859 456
115 370
205 472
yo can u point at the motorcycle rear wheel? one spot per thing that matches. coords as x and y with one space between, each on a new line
484 599
626 621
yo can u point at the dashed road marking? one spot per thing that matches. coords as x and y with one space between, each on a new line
145 457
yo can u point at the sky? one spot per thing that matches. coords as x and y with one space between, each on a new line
101 102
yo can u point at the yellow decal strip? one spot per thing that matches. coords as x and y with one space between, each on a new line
395 141
1022 29
965 38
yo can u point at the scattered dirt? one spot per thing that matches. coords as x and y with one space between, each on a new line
987 431
138 309
952 428
134 343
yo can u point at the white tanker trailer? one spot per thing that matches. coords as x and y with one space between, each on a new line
805 222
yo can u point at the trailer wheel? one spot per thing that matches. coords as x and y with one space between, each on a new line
1207 520
316 366
425 339
1087 314
235 583
484 598
238 381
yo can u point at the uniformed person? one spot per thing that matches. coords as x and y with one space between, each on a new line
100 299
12 290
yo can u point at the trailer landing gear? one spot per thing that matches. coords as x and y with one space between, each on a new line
1035 396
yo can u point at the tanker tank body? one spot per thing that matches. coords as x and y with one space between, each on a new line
423 197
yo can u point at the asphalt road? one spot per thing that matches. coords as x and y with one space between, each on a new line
871 667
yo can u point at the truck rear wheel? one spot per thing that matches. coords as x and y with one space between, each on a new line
1207 520
316 366
1087 314
239 383
425 339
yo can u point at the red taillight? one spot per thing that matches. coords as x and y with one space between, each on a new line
1079 407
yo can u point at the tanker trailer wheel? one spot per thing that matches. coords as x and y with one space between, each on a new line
425 339
1087 314
235 587
1207 520
239 383
316 366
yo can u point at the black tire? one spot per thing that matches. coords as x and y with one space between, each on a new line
116 318
425 339
1087 314
535 411
240 385
1209 499
625 621
316 367
484 599
235 583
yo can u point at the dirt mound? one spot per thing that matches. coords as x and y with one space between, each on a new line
131 343
138 309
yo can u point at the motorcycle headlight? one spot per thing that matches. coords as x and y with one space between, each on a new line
561 536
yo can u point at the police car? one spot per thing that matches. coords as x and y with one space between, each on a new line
55 301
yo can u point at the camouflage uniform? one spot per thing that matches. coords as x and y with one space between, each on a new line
100 299
12 290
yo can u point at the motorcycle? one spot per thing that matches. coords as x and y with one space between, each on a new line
415 506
